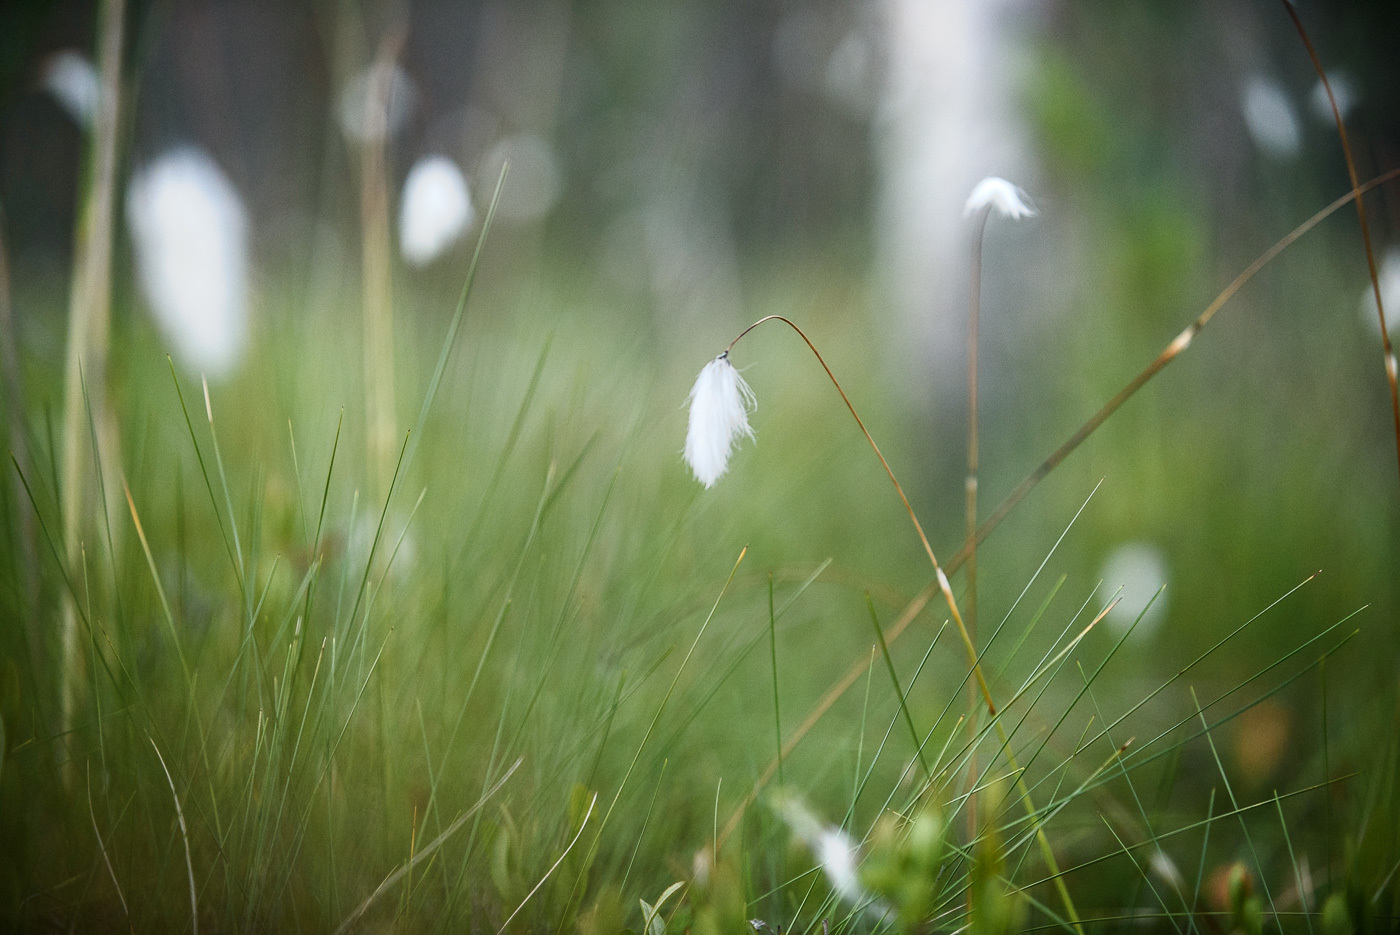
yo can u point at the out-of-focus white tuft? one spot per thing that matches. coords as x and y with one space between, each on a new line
73 81
379 82
1270 118
833 849
535 182
435 211
1388 274
190 232
1343 89
1140 569
1007 198
720 403
837 854
1166 870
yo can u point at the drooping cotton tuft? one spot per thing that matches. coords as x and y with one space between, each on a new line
435 210
1007 198
720 402
189 228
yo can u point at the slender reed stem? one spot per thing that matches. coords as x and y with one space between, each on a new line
89 314
773 648
970 484
952 603
1386 347
380 409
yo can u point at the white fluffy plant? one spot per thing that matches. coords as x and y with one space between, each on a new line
190 231
436 210
1000 194
720 403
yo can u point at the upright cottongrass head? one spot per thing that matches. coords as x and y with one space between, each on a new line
1007 198
720 402
190 231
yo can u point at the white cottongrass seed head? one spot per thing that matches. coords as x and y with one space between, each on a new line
435 211
1007 198
720 403
190 231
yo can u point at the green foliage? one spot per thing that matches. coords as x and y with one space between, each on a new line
1336 918
903 864
994 906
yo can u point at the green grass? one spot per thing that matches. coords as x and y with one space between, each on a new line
521 688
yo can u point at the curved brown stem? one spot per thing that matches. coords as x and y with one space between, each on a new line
1046 852
918 527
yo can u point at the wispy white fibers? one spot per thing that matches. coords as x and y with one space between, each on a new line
435 210
1140 569
1007 198
190 231
73 82
833 849
720 402
1270 118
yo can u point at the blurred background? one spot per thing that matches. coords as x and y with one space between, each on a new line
299 188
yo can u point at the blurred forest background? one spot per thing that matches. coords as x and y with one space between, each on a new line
678 170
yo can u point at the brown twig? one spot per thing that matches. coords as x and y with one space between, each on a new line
1386 347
